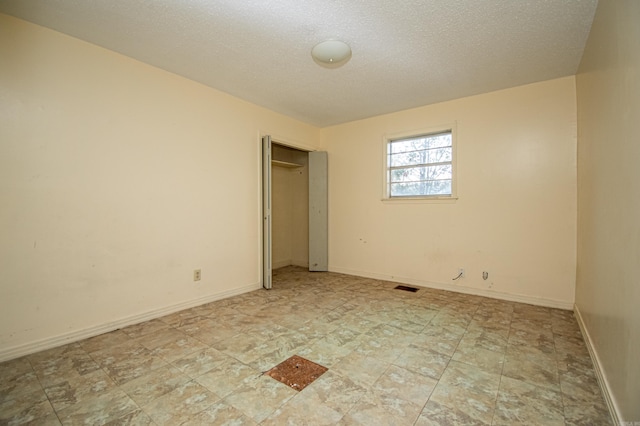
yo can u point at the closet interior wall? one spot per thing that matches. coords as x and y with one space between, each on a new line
290 207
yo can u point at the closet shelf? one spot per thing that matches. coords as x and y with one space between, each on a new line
285 164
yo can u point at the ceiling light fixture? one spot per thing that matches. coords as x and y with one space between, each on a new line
331 53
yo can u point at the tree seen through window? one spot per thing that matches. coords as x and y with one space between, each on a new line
420 166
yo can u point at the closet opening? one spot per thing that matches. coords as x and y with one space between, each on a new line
289 206
294 209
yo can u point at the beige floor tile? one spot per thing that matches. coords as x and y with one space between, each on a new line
403 384
15 383
334 391
197 363
408 325
227 376
473 354
219 414
423 361
104 341
452 318
100 409
523 403
127 361
435 414
212 334
154 384
565 345
12 370
48 420
182 318
531 368
138 330
55 365
77 389
259 397
24 407
173 351
324 353
180 404
540 355
432 357
343 337
361 369
316 328
160 338
267 331
581 391
471 378
385 351
303 411
531 324
382 409
491 340
243 347
358 323
538 338
134 418
270 355
586 415
566 326
469 390
441 339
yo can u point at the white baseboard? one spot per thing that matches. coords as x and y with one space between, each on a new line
600 373
550 303
63 339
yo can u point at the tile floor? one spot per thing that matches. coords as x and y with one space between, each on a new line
393 358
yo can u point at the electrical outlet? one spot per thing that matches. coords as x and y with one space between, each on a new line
197 274
461 272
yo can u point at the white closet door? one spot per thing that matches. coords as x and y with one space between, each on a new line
318 212
266 212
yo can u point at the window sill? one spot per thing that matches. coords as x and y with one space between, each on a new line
420 200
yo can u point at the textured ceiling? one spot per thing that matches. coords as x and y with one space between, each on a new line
405 53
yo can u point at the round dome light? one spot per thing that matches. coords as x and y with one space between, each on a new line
331 53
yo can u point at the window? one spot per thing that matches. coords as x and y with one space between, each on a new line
420 166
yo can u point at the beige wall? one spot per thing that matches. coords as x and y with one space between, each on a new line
117 180
300 211
608 283
516 212
290 213
281 216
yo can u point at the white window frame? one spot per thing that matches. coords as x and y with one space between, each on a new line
388 138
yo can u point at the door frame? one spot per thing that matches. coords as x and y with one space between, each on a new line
266 151
266 279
